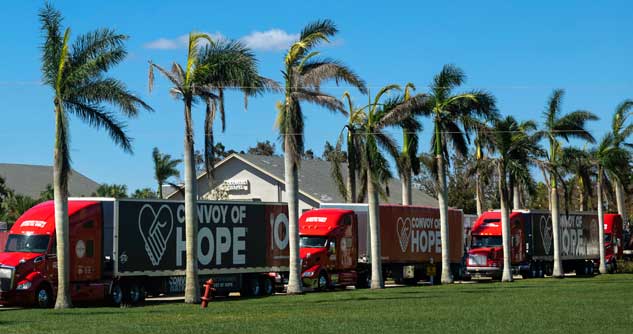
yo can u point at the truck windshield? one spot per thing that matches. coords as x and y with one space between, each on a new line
312 242
486 241
27 243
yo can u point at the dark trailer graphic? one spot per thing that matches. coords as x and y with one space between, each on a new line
578 233
233 237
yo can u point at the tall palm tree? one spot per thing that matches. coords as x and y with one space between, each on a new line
77 75
394 111
453 116
188 87
621 132
555 127
612 162
164 168
226 65
482 167
409 155
514 147
303 74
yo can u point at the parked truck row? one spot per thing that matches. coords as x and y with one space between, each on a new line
532 252
123 250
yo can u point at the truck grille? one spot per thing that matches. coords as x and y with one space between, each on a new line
6 279
477 260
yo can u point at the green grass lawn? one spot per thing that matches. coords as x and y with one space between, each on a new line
572 305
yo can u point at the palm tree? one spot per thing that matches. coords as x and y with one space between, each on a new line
395 111
408 157
448 111
303 75
112 190
189 89
578 162
76 73
612 162
556 126
482 168
350 133
621 132
514 147
223 65
164 168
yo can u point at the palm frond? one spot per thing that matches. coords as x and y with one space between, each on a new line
97 118
314 72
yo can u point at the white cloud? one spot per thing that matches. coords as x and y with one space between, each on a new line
269 40
179 42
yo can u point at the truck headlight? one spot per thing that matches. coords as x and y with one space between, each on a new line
308 274
24 285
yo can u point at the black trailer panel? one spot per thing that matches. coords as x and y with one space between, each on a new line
233 237
579 237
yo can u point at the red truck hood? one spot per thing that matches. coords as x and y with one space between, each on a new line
303 252
484 250
13 259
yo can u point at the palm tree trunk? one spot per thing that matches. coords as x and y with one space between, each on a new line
603 266
192 287
442 199
406 188
61 219
619 197
516 197
374 232
505 224
292 187
160 190
351 172
581 199
558 265
479 195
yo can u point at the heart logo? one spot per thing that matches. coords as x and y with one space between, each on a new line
546 233
403 227
155 228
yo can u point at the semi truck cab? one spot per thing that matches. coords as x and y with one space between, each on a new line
328 248
28 263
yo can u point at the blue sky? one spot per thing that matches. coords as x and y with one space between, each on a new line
517 50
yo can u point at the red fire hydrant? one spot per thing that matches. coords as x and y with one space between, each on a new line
208 293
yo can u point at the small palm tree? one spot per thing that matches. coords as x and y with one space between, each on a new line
621 133
112 190
303 74
578 162
612 162
188 87
164 168
514 147
394 111
76 73
454 116
556 126
350 133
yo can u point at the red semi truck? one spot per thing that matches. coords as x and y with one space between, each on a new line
121 249
335 244
532 243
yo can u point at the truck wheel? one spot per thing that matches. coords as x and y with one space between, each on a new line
43 297
322 282
116 295
363 281
135 294
267 286
252 288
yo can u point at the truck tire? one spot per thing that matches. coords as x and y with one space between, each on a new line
116 295
322 282
43 296
363 280
268 288
134 294
252 288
